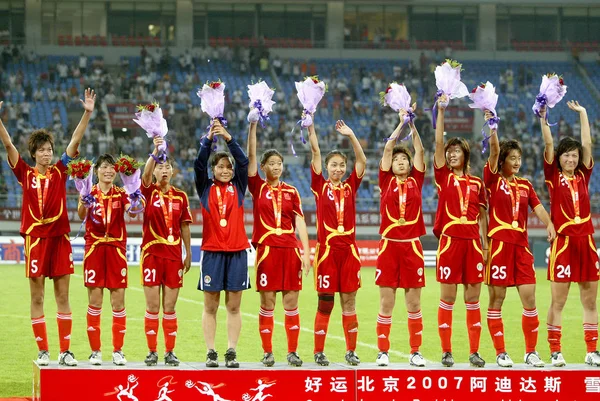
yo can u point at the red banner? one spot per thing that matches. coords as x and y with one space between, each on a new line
459 119
121 115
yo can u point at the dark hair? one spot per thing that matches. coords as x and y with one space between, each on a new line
169 160
108 158
268 153
37 139
464 146
506 147
404 150
335 152
218 156
568 144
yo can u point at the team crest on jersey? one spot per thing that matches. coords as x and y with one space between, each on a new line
480 266
420 271
176 206
123 272
287 196
116 204
207 279
230 188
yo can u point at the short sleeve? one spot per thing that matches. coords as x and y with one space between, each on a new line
534 201
418 176
147 191
298 203
20 170
587 173
489 177
316 181
186 213
254 185
550 171
482 196
441 176
354 181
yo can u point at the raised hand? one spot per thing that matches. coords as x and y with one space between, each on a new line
1 103
443 102
90 100
221 131
543 112
158 141
488 114
342 128
575 106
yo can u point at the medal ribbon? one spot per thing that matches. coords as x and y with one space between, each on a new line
515 204
339 203
222 205
277 208
574 188
167 210
41 197
402 192
106 215
464 200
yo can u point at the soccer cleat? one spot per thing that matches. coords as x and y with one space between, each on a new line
352 359
476 361
533 359
382 359
43 358
593 358
230 359
67 359
171 359
557 359
151 359
503 360
96 358
212 359
268 359
321 359
293 359
447 359
416 359
119 358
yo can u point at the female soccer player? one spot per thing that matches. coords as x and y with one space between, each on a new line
277 214
105 263
45 227
573 257
337 263
459 222
224 241
400 263
510 261
167 219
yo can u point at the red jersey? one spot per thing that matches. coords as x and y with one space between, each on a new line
501 211
156 232
266 201
563 191
400 208
44 205
449 217
328 199
108 222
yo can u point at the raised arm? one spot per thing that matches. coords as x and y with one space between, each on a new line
547 135
314 149
419 162
11 150
388 149
252 162
361 160
151 163
88 107
494 146
439 158
586 137
201 163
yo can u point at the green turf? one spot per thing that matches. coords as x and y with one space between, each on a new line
18 345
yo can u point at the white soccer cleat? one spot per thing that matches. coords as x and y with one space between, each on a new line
593 358
416 359
119 358
533 359
382 359
557 359
504 361
67 359
43 358
96 358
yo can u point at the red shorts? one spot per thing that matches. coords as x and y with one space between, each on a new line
48 257
509 265
278 269
573 259
400 264
161 271
459 261
104 266
337 269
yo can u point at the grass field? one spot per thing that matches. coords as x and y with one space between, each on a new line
18 345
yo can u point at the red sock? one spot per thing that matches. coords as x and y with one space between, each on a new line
38 325
119 327
496 328
473 325
265 328
415 330
554 335
350 324
531 323
151 329
445 325
590 331
321 325
169 324
292 328
93 327
384 326
65 324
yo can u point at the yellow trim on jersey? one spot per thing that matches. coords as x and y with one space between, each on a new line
396 222
28 247
159 240
570 221
263 257
40 222
591 242
298 253
416 250
489 261
477 248
272 230
503 226
355 252
456 220
439 253
554 255
382 250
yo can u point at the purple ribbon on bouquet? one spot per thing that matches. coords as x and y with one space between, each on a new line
486 138
223 122
541 100
136 199
89 202
433 108
262 118
300 122
160 159
409 117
